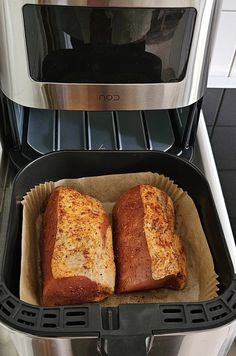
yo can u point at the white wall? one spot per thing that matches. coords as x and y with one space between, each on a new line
223 63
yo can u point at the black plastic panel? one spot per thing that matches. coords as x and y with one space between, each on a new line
71 133
101 131
58 130
41 129
131 131
160 131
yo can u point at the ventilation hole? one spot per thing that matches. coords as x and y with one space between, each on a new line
49 325
230 297
75 323
75 313
50 316
198 321
4 310
219 316
28 313
10 304
173 320
25 322
196 311
234 306
217 307
1 293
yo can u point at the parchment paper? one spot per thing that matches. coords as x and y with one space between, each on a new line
202 279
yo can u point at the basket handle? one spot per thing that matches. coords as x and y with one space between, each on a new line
123 346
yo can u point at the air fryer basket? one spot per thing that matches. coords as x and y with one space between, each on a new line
126 325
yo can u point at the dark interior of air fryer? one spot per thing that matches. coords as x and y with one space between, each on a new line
34 132
51 145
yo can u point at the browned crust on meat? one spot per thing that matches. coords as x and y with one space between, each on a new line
71 289
132 257
133 260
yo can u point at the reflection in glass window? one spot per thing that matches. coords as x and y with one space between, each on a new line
108 45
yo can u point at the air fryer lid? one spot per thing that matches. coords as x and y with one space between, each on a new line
115 325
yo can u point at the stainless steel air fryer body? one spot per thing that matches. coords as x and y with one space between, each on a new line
214 342
165 41
48 50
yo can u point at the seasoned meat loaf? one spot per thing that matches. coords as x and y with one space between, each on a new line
77 259
148 252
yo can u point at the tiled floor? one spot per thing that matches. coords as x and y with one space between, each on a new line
219 108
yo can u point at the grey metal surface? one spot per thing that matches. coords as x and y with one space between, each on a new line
19 87
214 342
16 344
